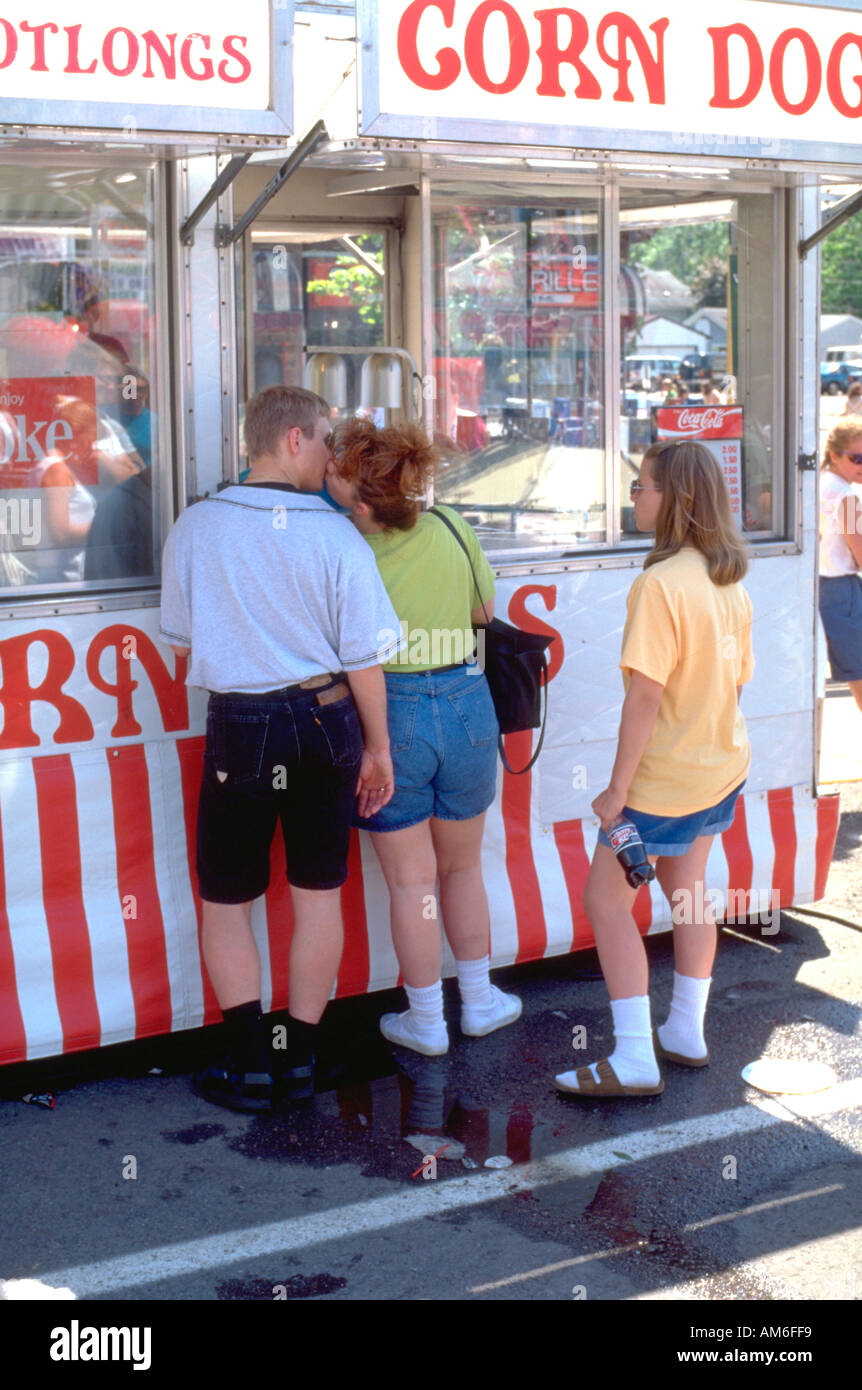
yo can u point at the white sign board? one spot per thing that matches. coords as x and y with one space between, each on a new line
153 65
751 77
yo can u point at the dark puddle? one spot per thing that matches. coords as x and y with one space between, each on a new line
297 1286
620 1212
390 1127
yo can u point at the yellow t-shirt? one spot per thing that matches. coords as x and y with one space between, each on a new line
694 638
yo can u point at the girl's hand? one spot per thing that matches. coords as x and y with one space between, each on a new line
376 783
608 806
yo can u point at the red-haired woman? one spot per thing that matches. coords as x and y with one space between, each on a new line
443 732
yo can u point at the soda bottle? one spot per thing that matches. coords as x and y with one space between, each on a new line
628 846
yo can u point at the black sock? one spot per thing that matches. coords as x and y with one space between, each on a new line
247 1037
300 1042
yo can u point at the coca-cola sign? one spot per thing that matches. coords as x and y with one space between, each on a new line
698 421
756 78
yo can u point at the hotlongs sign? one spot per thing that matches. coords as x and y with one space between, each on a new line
748 77
154 65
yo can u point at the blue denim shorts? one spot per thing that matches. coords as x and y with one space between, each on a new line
841 612
443 734
676 834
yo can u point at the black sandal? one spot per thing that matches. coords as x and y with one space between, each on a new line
223 1084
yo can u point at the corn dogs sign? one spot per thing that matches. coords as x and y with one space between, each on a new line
754 76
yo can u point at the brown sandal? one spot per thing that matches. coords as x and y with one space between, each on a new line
608 1085
677 1056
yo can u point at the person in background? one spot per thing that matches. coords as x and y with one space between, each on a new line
711 394
278 603
443 731
682 759
70 473
854 399
841 552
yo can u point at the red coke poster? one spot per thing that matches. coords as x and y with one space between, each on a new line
719 427
34 422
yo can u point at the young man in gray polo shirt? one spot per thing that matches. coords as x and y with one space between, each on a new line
278 600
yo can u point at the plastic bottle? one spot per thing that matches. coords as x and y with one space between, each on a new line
628 846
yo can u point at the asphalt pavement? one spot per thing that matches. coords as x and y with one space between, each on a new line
132 1188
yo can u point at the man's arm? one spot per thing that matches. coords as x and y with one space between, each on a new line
376 779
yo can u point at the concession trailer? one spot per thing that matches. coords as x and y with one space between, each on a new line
553 235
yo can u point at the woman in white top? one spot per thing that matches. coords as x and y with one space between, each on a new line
841 552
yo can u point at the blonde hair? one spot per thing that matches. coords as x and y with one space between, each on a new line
695 509
840 436
390 468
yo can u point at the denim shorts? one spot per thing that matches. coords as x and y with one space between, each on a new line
841 612
271 758
443 734
676 834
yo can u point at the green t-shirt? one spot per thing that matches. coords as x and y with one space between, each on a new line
427 577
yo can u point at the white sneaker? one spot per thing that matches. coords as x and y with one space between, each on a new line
403 1030
478 1022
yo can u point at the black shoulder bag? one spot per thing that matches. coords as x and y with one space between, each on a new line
516 668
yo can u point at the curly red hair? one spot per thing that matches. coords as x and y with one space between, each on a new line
391 469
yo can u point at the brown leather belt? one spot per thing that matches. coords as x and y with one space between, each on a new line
330 687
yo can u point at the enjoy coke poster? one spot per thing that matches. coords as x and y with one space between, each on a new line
719 427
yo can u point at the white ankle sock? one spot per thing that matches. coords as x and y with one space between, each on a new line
683 1032
426 1007
633 1057
474 982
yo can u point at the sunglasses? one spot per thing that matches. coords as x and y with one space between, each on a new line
635 488
854 458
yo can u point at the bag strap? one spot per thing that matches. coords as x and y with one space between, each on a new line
515 771
434 511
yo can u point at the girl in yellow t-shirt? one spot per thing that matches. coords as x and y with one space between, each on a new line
682 758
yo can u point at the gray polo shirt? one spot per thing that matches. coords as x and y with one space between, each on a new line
269 587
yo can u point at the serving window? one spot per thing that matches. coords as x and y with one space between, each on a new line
79 439
571 331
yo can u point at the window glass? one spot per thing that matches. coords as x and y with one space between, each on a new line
698 338
518 364
78 431
319 292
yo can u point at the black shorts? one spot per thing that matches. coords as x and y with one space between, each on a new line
272 758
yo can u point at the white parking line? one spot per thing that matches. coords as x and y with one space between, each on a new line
423 1199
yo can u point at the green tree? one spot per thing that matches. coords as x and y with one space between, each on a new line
357 283
841 269
688 252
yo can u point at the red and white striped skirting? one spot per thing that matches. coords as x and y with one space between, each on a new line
100 919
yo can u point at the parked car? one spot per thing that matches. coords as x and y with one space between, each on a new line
836 376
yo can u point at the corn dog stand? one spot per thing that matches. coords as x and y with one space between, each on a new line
554 236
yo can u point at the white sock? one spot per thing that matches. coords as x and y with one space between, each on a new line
474 981
633 1057
683 1032
426 1007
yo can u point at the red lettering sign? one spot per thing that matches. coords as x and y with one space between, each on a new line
520 615
448 62
551 55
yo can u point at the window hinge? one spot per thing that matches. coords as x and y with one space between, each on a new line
807 462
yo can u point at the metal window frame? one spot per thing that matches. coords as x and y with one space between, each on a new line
313 228
617 552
